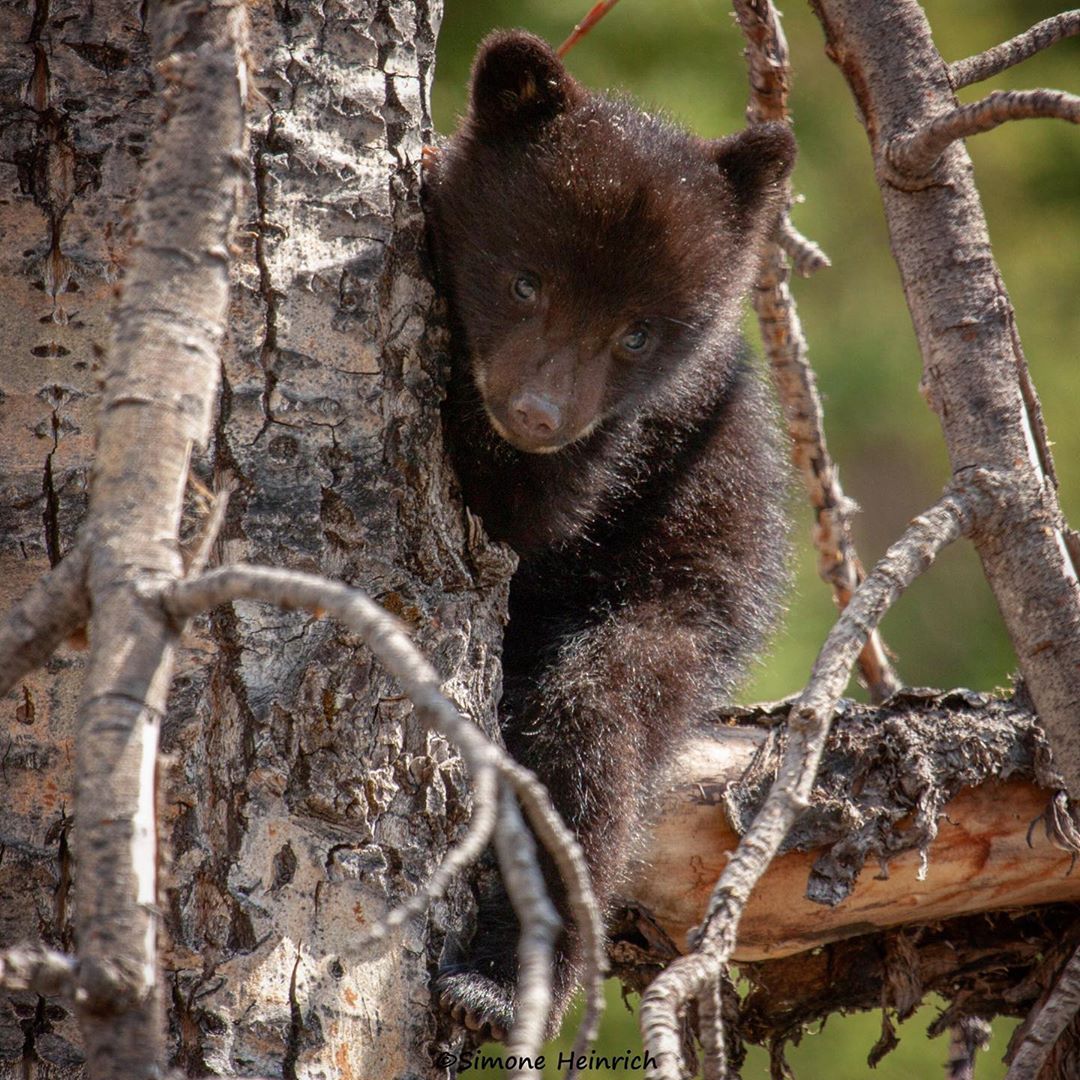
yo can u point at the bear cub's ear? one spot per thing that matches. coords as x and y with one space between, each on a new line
517 83
755 163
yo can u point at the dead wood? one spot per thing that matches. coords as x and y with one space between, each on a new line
927 808
974 373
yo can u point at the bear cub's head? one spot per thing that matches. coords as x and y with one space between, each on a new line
590 251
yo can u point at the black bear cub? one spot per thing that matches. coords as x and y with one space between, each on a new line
604 422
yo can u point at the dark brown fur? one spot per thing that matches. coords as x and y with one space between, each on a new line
642 489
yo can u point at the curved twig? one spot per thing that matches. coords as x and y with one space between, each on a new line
917 153
808 727
387 639
55 607
1009 53
565 850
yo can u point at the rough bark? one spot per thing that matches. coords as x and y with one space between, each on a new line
304 797
300 797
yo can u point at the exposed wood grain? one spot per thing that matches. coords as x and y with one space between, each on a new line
980 861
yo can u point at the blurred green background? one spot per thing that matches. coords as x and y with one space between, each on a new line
685 57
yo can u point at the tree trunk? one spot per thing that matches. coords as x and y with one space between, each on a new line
299 797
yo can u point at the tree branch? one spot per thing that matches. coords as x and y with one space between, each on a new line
917 153
1006 55
159 397
808 727
806 257
54 608
540 923
1048 1020
40 970
781 331
922 811
973 372
467 850
966 1038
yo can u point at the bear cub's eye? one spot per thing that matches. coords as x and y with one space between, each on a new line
635 339
524 287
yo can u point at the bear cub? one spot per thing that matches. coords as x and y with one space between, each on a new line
605 423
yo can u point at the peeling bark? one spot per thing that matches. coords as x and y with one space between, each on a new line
926 808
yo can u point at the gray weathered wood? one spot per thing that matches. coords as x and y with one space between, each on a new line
974 373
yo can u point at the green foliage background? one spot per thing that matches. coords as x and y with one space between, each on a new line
685 57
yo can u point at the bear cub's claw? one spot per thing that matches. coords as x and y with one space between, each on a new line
478 1003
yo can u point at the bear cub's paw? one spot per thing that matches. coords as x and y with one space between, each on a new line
480 1004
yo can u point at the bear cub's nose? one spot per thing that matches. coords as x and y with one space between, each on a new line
535 415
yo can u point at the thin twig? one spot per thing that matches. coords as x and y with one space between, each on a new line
54 608
967 1037
566 852
917 153
1006 55
710 1015
387 639
596 13
1050 1019
463 854
539 922
781 332
806 257
210 529
808 727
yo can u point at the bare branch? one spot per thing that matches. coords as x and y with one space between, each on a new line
781 331
159 397
54 608
1049 1019
917 153
973 373
104 989
387 639
382 633
953 782
463 854
808 727
806 257
210 529
966 1038
1006 55
710 1015
561 843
